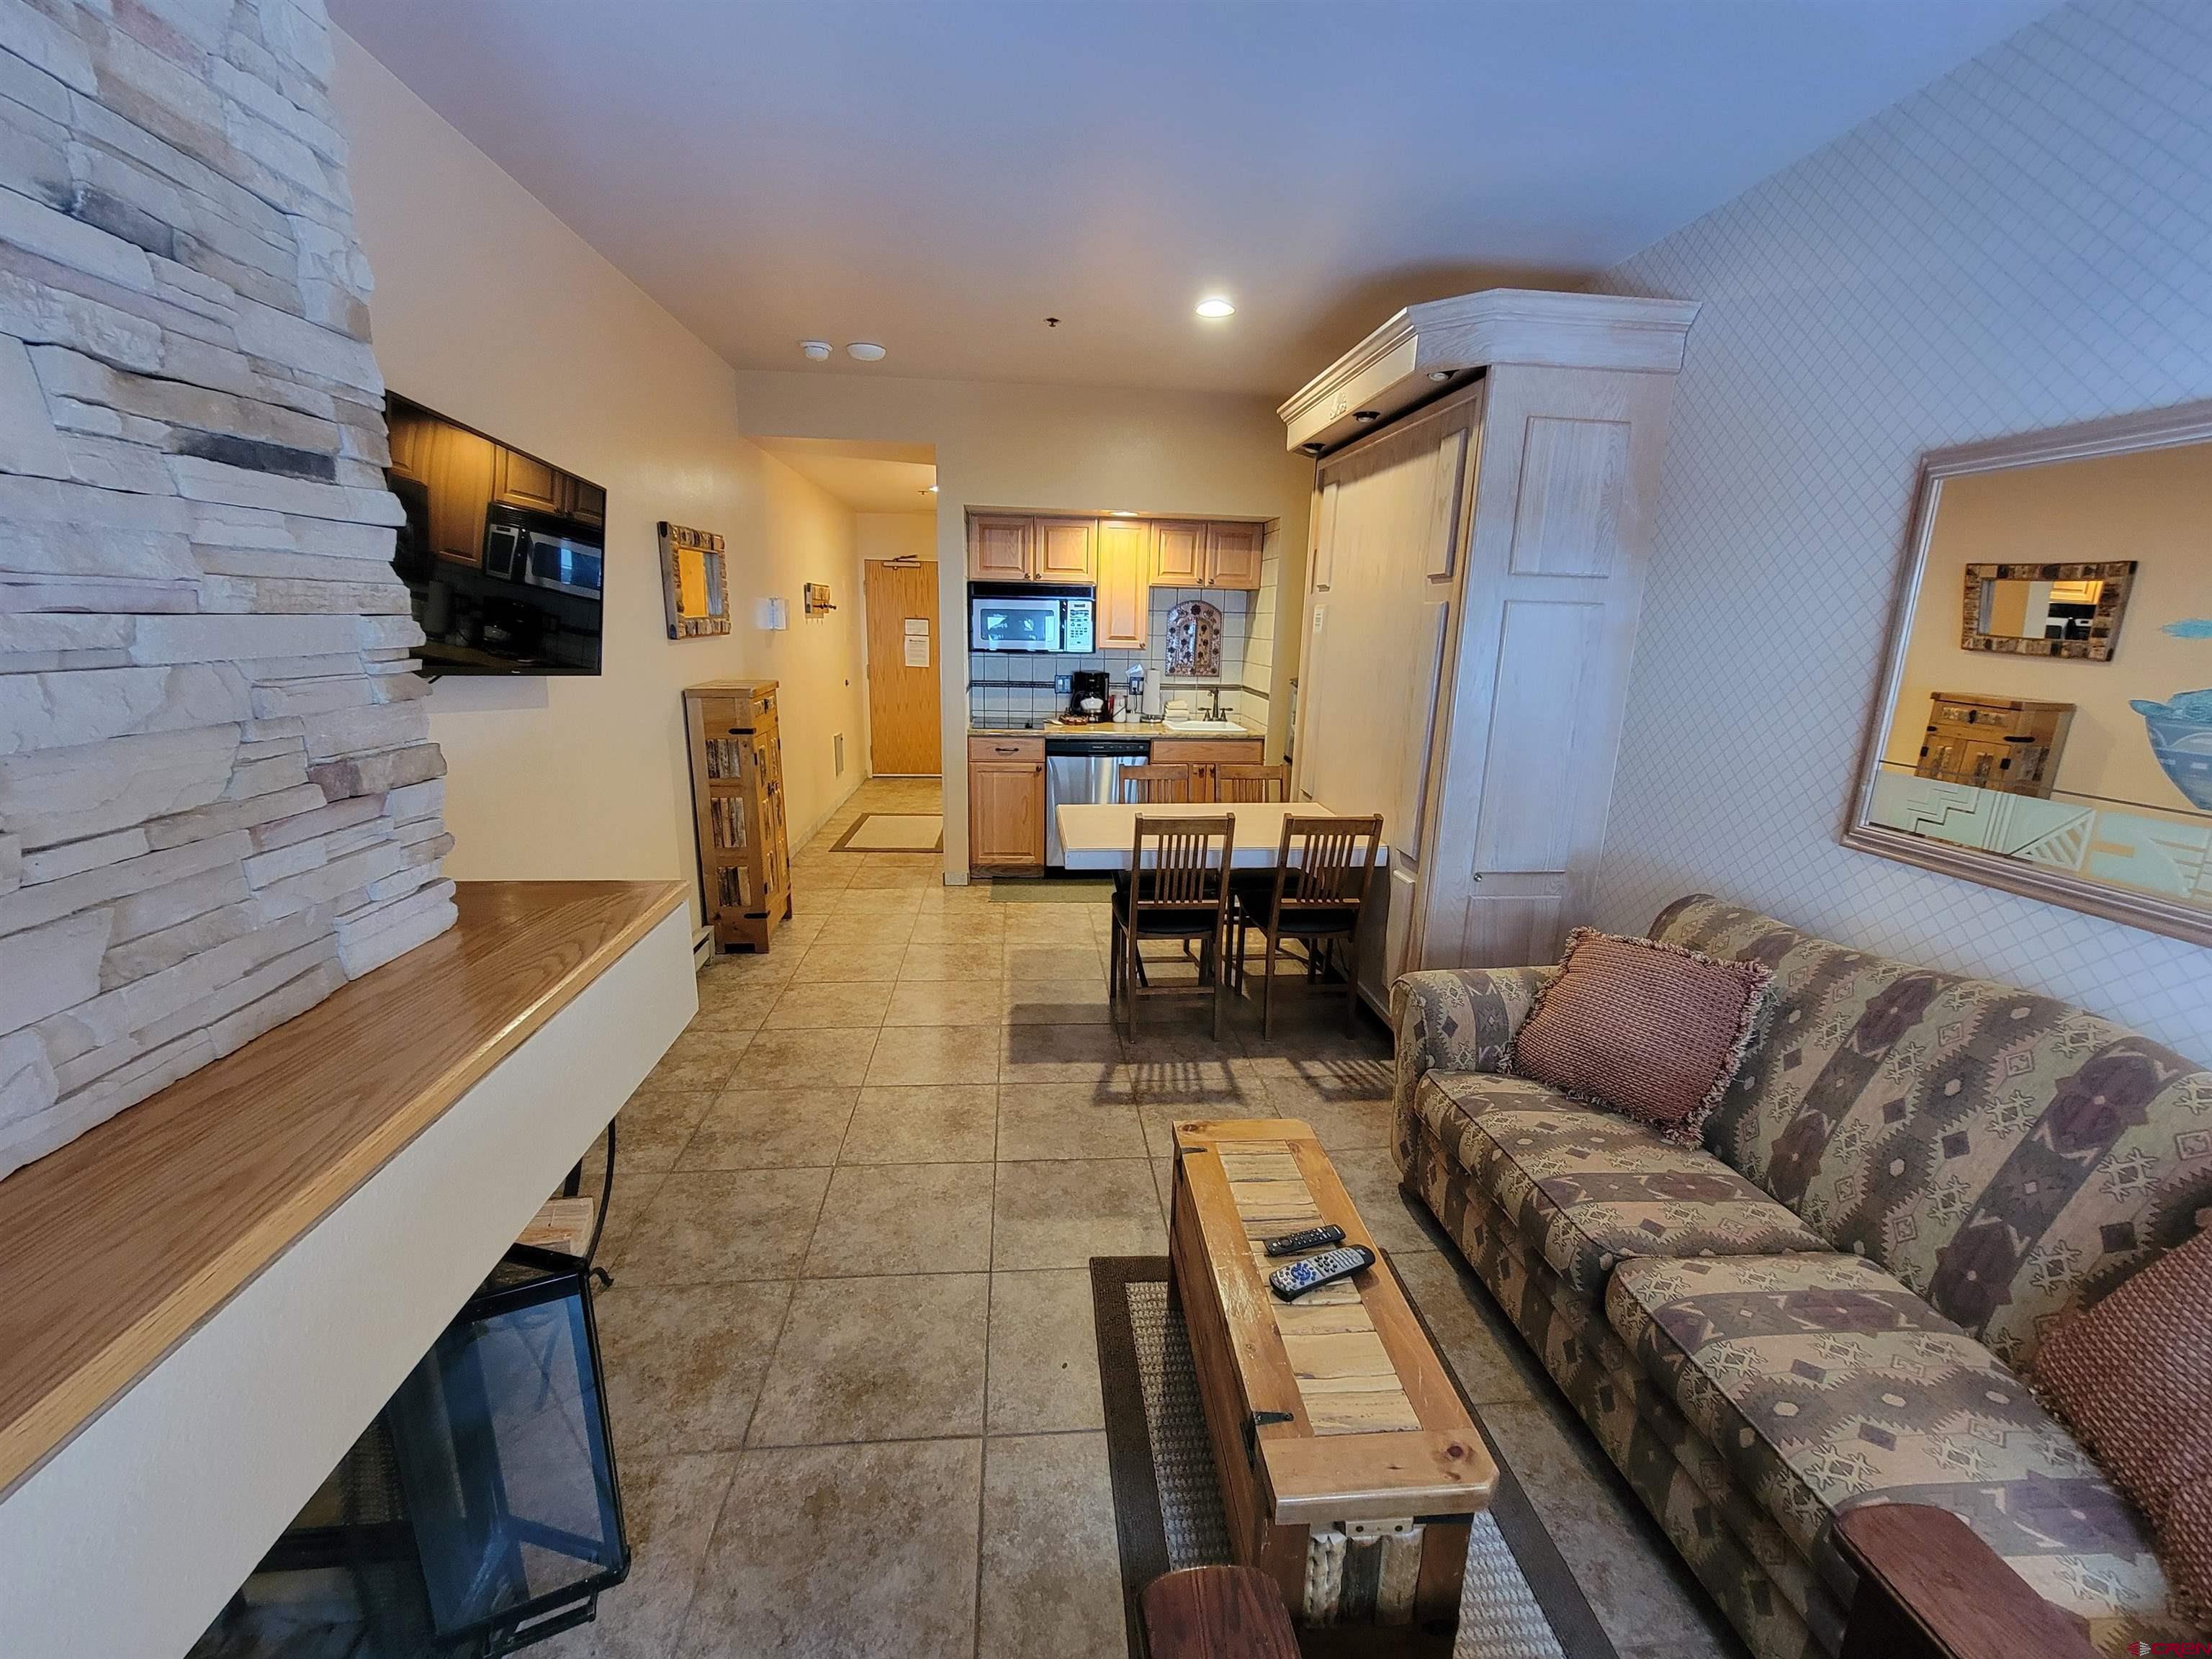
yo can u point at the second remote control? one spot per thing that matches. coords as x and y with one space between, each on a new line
1292 1282
1312 1239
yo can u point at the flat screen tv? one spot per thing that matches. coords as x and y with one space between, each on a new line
505 554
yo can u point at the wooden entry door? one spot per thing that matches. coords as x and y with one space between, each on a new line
903 734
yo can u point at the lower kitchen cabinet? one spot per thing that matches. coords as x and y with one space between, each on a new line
1005 804
1202 754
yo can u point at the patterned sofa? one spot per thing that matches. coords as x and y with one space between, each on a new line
1912 1177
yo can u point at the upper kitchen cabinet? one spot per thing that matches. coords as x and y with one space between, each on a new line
521 480
998 548
1065 550
1179 555
460 468
1124 584
587 501
1232 555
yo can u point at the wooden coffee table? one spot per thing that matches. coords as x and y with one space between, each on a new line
1348 1467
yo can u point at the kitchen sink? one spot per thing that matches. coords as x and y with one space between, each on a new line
1211 728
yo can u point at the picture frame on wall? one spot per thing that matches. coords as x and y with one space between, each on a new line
694 582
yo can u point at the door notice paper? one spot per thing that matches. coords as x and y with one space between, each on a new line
917 642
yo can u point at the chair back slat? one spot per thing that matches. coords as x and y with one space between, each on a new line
1254 783
1326 863
1182 869
1163 780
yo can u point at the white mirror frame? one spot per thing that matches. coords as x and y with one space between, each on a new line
2164 429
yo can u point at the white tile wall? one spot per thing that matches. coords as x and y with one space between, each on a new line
2027 242
996 690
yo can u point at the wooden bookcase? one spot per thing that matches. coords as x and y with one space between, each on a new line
736 798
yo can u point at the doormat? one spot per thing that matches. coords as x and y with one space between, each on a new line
893 832
1518 1601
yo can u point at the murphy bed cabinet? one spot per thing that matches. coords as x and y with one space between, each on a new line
1005 805
737 796
1486 469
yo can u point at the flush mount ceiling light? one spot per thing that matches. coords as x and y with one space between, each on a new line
818 351
865 351
1214 306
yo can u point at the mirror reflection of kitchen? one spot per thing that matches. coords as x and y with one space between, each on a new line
2059 715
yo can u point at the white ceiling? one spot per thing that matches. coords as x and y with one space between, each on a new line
941 177
868 478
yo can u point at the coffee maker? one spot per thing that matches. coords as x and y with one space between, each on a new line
1082 685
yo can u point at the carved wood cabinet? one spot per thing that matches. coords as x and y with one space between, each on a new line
736 798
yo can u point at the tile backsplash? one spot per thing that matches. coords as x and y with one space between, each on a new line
1012 687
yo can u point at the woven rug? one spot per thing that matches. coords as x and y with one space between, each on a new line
893 832
1519 1600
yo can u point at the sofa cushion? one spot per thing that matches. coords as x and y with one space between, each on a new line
1650 1030
1827 1383
1586 1189
2005 1155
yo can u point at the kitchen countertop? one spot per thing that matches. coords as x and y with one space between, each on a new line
1109 729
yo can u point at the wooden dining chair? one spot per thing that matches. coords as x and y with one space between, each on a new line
1142 785
1256 783
1324 867
1178 889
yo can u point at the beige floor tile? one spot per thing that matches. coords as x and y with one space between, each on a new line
651 1131
1051 1584
893 1359
670 1505
824 1007
1057 1002
685 1363
844 962
1345 1124
804 1060
1398 1222
1065 1120
701 1058
863 918
712 1226
1062 1213
729 1012
882 877
1044 1352
946 1002
969 959
1060 1054
882 1567
1163 1181
935 1053
1198 1079
1049 927
902 1218
1042 962
770 1128
738 976
951 922
946 1123
1471 1331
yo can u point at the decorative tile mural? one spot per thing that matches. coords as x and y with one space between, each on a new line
2027 242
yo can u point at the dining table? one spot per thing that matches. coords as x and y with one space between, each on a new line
1099 836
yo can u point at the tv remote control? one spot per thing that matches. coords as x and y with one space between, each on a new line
1312 1238
1292 1282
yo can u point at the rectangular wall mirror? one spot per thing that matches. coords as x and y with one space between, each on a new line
2044 724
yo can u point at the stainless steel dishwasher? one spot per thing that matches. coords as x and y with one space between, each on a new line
1083 772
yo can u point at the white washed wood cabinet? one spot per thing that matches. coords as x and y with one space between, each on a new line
1476 572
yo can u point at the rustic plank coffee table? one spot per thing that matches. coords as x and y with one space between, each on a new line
1348 1467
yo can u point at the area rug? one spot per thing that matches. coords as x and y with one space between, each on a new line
893 832
1519 1600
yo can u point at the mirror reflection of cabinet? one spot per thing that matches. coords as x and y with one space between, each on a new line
1995 743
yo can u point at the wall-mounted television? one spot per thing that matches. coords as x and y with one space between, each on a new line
505 554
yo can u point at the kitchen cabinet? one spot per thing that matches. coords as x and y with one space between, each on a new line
459 470
1232 555
1124 588
1065 550
1005 804
408 434
1179 555
521 480
1032 549
998 548
587 501
1202 754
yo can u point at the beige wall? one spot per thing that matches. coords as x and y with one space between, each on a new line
1084 448
897 535
490 310
2151 507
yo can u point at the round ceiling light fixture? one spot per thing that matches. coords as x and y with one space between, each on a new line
816 351
865 351
1215 306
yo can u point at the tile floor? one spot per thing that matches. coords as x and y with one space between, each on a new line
850 1350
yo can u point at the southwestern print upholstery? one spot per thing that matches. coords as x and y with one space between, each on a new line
1460 1019
2008 1157
1583 1188
1827 1383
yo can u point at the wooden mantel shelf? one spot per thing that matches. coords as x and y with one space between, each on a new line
122 1243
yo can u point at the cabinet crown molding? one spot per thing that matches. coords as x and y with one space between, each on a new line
1391 369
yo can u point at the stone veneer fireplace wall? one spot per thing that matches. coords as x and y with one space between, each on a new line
218 797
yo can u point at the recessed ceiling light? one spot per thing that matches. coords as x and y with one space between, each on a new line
1214 306
818 351
866 351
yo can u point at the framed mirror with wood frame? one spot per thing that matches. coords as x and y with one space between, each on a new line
2044 721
